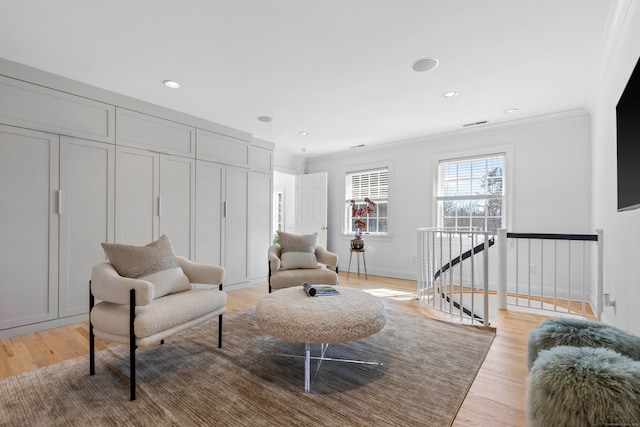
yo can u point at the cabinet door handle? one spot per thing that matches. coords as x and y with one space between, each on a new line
224 209
59 201
159 206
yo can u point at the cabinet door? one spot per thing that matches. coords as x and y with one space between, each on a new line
137 192
260 212
225 149
209 190
140 130
236 194
36 107
29 172
86 217
177 202
261 159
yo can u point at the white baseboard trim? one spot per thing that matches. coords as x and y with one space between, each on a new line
41 326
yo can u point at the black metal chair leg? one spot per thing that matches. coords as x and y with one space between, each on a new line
92 340
132 343
220 324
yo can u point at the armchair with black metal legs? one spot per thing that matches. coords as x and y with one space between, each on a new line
128 313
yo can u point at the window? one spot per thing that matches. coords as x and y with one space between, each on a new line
471 193
374 184
277 210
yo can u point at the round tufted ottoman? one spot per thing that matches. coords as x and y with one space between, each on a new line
291 315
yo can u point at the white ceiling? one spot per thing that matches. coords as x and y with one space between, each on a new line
338 69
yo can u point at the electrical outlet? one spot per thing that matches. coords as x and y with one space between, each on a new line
533 269
413 260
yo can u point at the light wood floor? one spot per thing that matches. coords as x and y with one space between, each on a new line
495 398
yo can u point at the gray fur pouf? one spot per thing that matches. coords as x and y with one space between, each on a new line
583 386
580 333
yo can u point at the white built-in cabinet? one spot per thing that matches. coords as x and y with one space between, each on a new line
36 107
59 194
223 149
233 220
86 216
260 188
209 212
76 171
260 209
221 218
155 195
29 176
235 223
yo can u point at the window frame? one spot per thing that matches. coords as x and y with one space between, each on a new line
347 220
278 211
506 151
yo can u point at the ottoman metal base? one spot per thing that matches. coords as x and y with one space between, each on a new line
291 315
308 358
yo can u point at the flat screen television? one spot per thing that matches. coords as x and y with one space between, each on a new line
628 128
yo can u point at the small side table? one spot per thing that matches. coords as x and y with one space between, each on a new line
364 261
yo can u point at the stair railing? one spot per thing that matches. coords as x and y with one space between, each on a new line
535 271
550 272
450 277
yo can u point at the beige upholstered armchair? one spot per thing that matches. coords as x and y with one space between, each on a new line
297 259
146 295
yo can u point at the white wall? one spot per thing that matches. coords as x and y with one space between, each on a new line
621 229
287 163
549 178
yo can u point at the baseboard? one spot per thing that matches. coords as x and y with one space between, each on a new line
41 326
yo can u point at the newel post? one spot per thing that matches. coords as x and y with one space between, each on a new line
502 269
600 274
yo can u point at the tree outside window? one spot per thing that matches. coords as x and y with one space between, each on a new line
471 193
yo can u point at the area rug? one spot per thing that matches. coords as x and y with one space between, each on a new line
427 368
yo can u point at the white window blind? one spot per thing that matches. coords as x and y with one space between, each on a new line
471 192
372 184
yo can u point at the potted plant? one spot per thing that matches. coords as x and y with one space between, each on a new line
357 213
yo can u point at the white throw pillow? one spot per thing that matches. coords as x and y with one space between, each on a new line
295 260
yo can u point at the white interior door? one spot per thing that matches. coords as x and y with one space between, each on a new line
311 205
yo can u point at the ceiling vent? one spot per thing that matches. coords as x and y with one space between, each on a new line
475 124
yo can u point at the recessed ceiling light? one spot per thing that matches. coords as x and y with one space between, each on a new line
303 133
450 94
425 64
265 119
511 110
172 84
